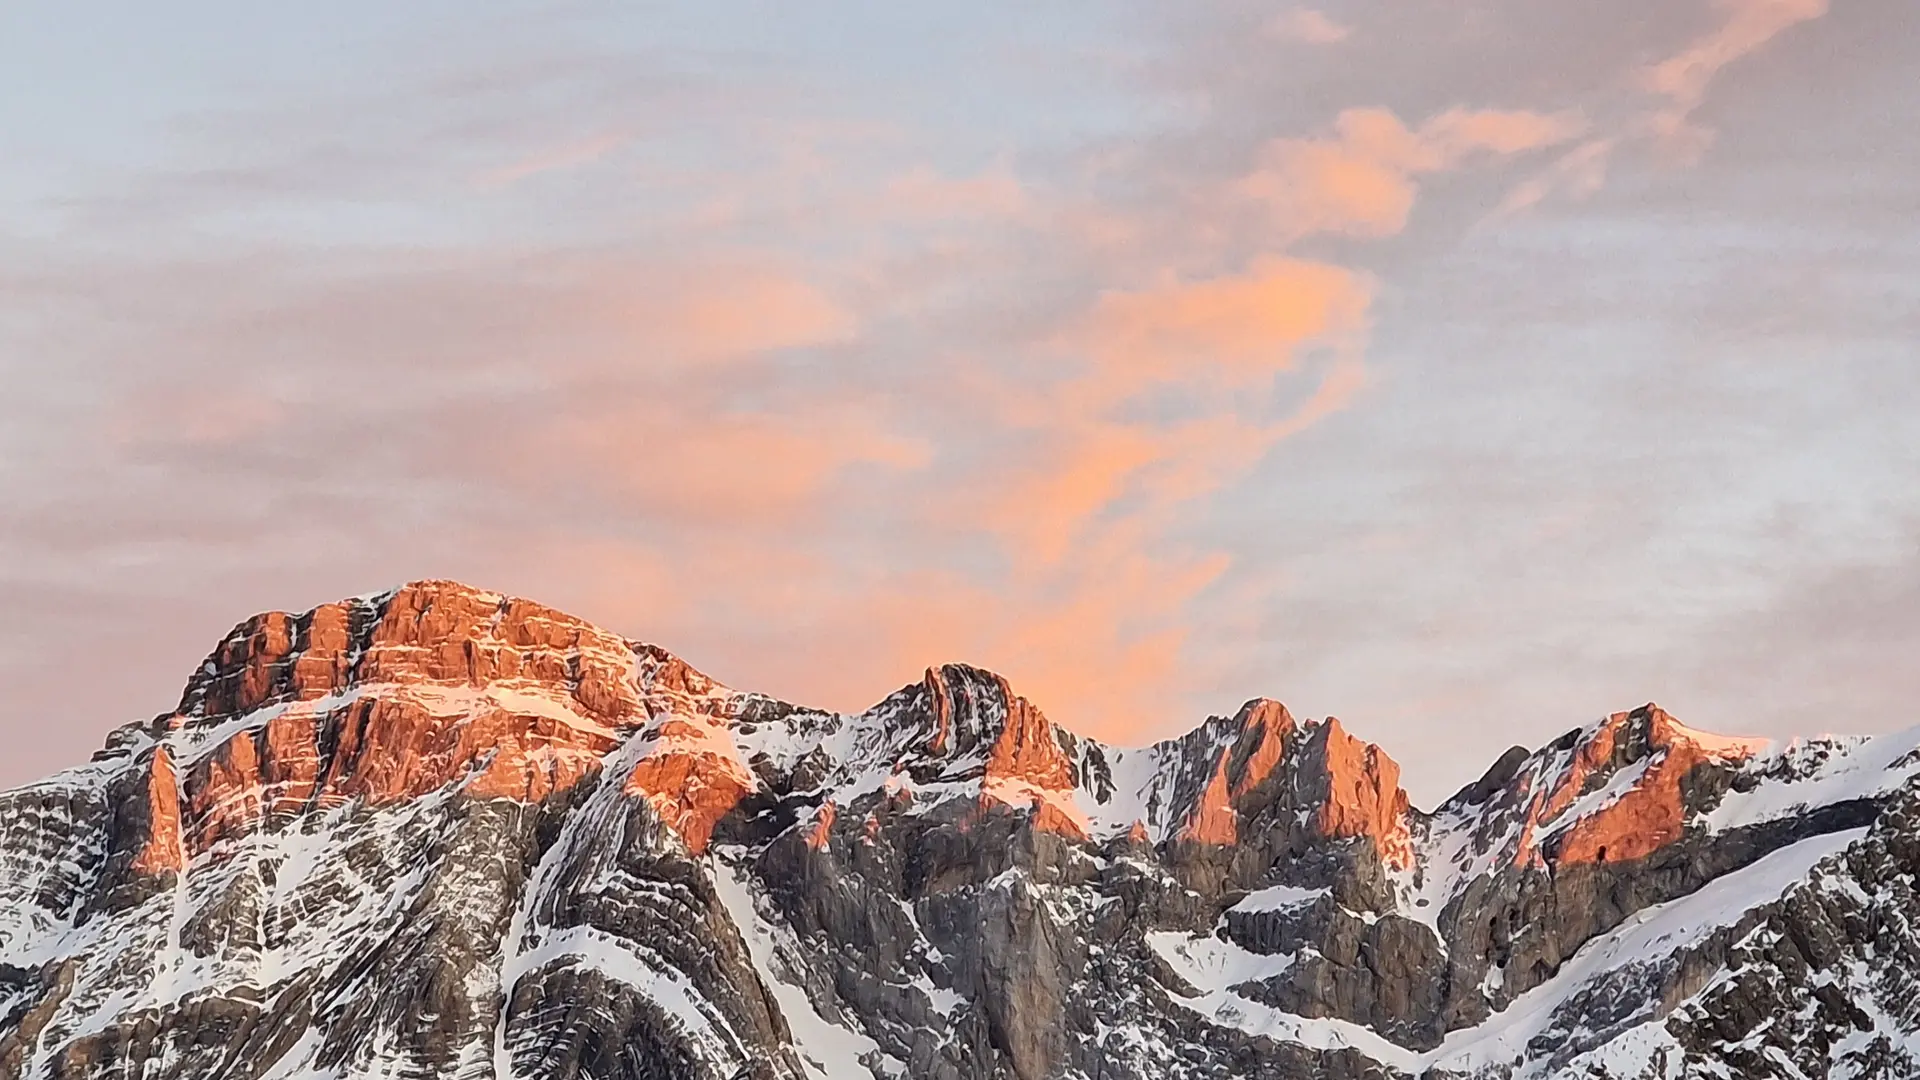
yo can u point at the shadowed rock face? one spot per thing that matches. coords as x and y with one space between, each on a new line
446 833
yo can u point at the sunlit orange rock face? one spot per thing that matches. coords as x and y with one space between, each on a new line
1027 766
1265 730
1028 750
1364 797
428 632
259 661
822 831
937 692
1213 819
1024 761
1243 765
271 773
693 778
1352 787
443 685
163 850
690 770
1647 815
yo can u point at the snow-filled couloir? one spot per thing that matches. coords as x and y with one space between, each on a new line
440 832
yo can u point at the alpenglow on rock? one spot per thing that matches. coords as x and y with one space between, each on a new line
442 833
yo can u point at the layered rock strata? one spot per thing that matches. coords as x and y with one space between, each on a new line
441 832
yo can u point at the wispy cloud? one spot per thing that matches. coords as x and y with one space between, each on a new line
1683 78
1150 368
1307 25
1361 180
1231 330
561 158
1678 84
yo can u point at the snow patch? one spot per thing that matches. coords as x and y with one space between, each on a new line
1819 772
1212 963
1651 935
1278 898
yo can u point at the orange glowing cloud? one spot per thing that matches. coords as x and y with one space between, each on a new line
1205 455
1084 479
1457 134
705 313
1680 82
1109 648
1098 645
1233 330
1683 78
1069 477
1083 470
1361 180
713 466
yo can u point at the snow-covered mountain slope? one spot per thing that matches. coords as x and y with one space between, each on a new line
445 833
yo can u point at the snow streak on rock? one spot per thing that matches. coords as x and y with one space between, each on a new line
442 832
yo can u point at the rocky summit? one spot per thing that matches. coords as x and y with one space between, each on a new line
442 833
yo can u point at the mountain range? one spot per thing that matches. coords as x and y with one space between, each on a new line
444 833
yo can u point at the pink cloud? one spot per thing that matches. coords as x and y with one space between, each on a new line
1575 174
198 417
1232 329
922 192
687 460
807 409
1361 180
716 309
1074 453
1683 78
1307 25
1071 473
560 158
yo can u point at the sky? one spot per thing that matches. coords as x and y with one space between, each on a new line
1466 369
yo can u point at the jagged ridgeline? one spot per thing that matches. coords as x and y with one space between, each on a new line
442 833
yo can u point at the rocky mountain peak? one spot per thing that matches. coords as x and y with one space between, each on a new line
425 632
1251 746
388 697
1616 789
445 832
384 699
964 727
1268 761
970 711
1363 797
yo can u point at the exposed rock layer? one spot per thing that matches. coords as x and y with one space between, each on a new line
445 833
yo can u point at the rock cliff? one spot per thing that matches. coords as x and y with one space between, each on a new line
440 832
